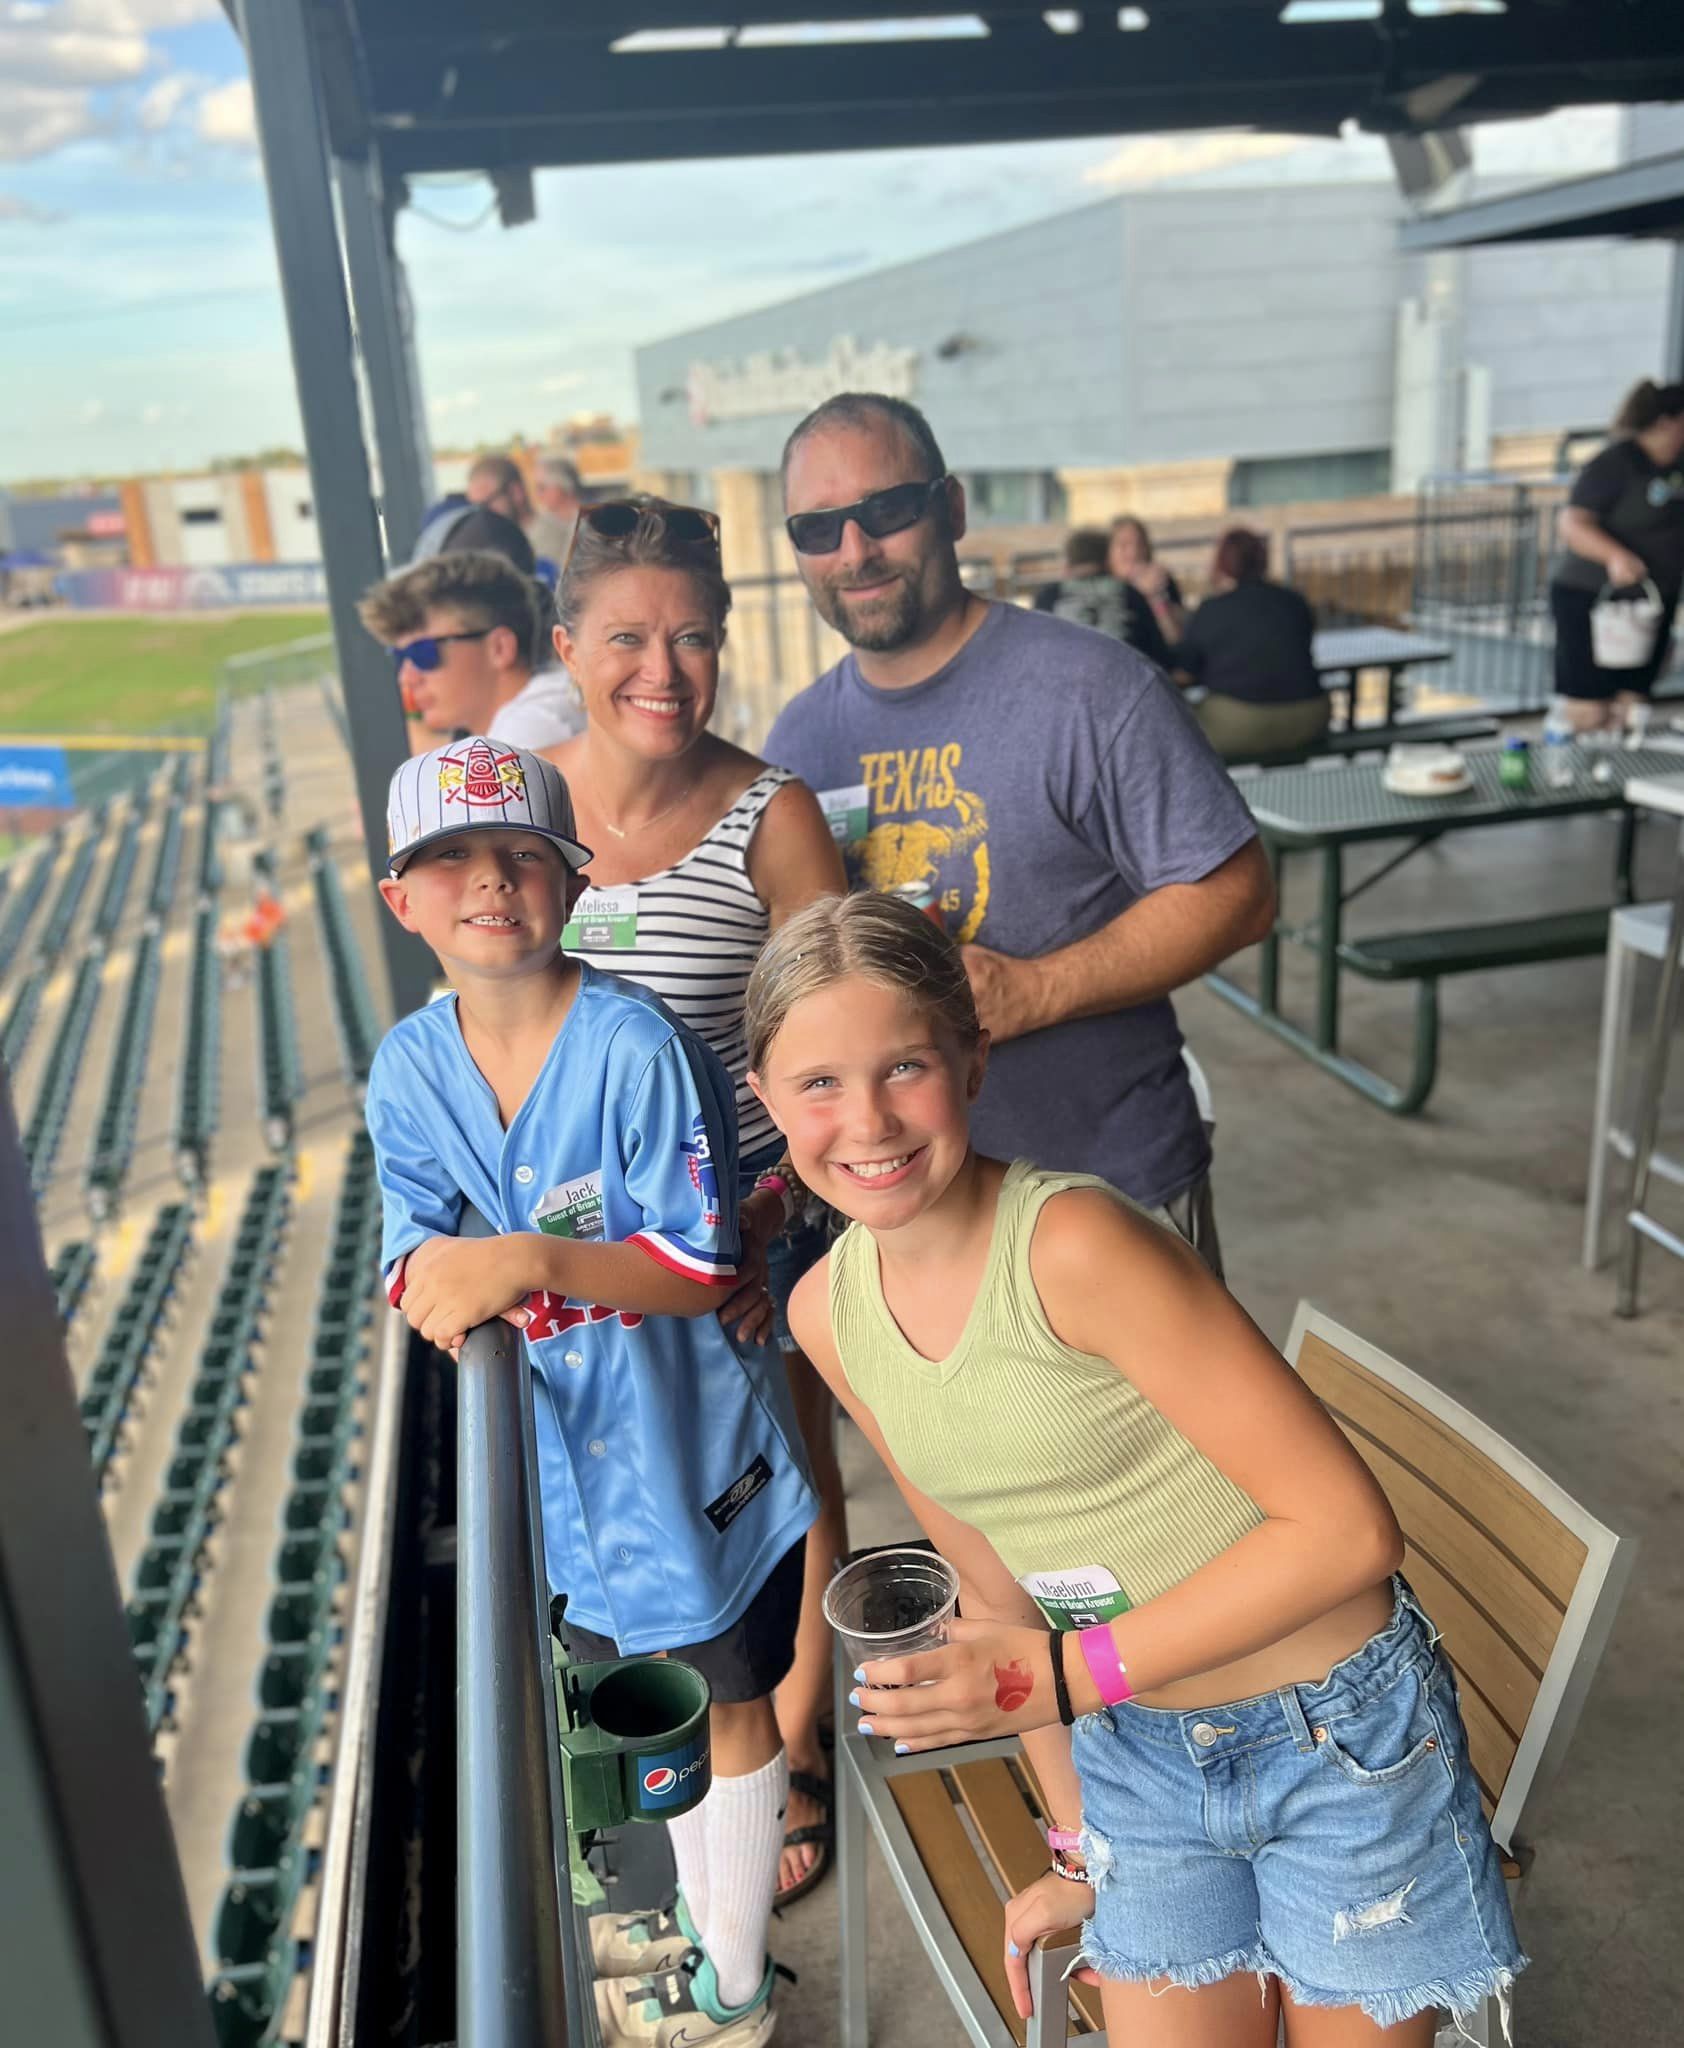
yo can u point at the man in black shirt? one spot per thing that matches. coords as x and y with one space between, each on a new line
1091 596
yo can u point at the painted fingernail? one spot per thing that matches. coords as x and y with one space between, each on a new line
865 1727
853 1699
903 1749
859 1674
1012 1949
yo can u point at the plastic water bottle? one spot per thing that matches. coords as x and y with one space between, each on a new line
1558 747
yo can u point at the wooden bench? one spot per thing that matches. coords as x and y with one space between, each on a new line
1522 1580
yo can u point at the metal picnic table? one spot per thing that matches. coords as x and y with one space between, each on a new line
1329 806
1341 652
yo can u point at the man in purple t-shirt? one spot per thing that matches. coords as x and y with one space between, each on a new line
1082 841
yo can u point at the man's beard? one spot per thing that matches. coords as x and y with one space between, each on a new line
893 620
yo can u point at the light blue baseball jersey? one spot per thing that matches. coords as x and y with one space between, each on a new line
670 1468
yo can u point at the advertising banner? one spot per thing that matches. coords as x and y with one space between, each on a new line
235 587
35 779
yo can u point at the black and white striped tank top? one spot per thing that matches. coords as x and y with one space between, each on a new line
700 928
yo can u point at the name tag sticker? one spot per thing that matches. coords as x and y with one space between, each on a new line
573 1208
847 812
1078 1599
603 921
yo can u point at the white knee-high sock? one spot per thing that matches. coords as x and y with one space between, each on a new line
689 1837
744 1822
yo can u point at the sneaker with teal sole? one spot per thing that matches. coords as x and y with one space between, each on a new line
644 1944
681 2009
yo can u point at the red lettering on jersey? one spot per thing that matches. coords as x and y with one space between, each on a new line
551 1314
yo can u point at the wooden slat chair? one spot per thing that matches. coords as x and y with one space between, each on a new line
1523 1582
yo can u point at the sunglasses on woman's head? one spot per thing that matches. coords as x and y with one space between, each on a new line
427 653
879 515
619 519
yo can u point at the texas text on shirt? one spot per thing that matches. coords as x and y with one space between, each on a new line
668 1470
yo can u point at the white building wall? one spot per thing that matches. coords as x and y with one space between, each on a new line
292 515
200 510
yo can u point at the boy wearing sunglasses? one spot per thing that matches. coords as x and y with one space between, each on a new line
467 634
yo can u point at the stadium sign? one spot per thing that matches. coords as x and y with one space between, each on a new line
781 381
237 586
35 779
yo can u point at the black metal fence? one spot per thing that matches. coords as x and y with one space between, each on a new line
1468 567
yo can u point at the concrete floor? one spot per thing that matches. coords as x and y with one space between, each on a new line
1452 1241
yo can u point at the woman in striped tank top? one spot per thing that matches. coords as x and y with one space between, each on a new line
701 849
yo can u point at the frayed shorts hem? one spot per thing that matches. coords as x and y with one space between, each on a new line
1389 2008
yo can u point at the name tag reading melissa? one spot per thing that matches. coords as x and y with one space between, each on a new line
603 921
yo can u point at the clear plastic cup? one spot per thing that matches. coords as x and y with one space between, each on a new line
893 1603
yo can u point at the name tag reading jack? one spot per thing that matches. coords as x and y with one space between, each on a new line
603 921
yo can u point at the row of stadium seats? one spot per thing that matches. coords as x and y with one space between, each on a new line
166 868
199 1087
120 875
54 936
168 1575
279 1073
135 1329
268 1854
25 900
353 1006
19 1026
219 753
64 1064
113 1145
72 1274
274 760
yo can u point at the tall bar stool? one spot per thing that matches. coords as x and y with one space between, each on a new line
1635 933
1663 793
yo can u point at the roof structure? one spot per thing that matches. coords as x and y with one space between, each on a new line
1643 198
442 85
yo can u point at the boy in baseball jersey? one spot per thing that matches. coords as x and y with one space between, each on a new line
596 1135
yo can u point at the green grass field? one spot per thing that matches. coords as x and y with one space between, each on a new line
129 675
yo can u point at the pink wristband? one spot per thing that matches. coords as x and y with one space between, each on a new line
782 1189
1105 1667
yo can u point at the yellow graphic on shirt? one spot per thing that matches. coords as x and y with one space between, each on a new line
925 828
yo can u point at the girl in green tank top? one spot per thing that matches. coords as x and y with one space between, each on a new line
1155 1526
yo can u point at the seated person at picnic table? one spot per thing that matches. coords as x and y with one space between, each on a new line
1249 645
1091 595
1129 556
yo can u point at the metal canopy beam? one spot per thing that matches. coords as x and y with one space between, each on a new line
1637 199
293 143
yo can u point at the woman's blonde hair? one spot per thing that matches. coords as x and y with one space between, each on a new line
883 939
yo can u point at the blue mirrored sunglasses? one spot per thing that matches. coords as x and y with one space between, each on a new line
427 653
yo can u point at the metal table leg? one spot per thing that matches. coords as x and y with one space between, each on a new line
1328 930
1269 953
851 1832
1638 1223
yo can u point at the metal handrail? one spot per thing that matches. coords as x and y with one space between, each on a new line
513 1988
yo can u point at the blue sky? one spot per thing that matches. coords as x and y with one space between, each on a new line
140 319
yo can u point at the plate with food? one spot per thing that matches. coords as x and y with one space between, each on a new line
1426 771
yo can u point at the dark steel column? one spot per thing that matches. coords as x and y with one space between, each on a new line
380 309
511 1986
291 136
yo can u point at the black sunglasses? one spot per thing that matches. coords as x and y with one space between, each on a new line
619 519
427 653
883 513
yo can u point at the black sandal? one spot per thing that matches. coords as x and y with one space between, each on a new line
819 1834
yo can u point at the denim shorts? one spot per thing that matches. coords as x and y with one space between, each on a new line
1330 1836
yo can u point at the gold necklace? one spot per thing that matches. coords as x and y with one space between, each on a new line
622 831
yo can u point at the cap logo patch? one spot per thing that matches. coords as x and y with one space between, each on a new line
481 777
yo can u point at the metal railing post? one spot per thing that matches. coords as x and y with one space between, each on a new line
511 1982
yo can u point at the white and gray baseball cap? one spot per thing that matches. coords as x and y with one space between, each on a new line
472 785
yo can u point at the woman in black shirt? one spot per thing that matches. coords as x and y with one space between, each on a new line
1249 644
1622 526
1130 559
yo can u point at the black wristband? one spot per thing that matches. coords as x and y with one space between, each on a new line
1061 1692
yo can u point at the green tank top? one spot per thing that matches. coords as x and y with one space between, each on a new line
1092 1499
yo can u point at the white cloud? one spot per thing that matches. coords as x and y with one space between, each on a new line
54 60
1145 159
449 403
162 101
566 380
225 115
151 415
14 208
90 412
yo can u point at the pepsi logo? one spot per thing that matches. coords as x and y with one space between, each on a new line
658 1781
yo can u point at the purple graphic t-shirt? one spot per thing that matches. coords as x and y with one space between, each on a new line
1044 780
